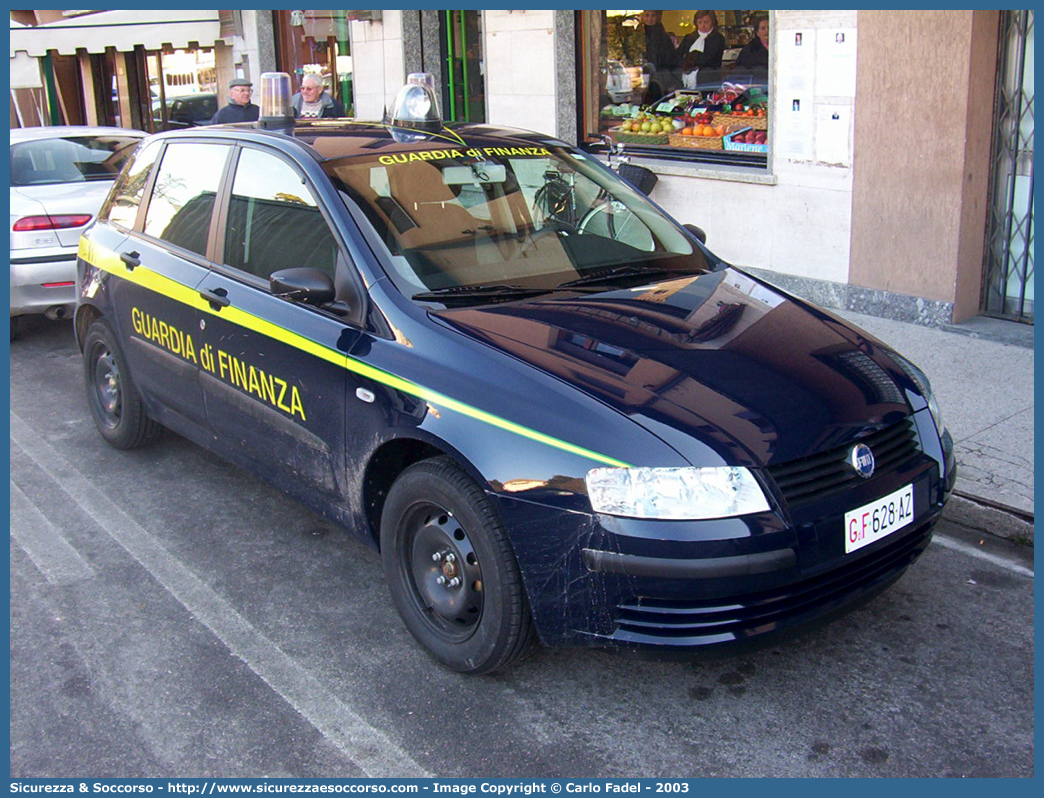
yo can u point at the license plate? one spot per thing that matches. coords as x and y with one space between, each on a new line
882 517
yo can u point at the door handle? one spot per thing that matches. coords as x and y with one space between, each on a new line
131 260
218 298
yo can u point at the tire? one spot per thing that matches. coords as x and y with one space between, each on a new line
437 523
111 394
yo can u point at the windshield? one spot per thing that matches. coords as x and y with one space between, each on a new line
72 159
509 217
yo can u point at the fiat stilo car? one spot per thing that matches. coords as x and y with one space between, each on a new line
554 411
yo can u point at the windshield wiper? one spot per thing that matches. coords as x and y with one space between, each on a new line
608 275
466 292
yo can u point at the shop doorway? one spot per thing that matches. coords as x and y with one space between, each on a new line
1008 288
464 94
317 42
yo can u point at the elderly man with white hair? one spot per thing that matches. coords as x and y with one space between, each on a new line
312 101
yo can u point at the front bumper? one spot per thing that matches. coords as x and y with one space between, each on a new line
667 587
43 280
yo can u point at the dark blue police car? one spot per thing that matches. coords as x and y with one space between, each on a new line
554 411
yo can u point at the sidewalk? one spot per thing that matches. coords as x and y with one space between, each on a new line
982 375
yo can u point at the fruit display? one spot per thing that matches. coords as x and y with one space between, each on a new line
747 140
645 128
693 119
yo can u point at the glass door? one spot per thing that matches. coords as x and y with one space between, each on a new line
317 42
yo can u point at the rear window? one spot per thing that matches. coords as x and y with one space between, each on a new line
73 159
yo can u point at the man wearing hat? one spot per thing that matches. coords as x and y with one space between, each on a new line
239 108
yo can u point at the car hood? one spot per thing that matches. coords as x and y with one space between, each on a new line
722 367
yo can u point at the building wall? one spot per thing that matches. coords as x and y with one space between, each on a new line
922 141
254 51
520 70
378 64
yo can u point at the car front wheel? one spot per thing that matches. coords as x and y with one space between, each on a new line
451 570
111 394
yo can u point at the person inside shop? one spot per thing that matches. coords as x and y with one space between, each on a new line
660 57
239 108
755 55
312 101
702 51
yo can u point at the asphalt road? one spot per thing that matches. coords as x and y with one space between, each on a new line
172 616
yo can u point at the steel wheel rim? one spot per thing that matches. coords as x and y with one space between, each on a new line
437 550
108 395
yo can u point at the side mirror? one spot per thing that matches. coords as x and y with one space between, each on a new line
303 284
696 231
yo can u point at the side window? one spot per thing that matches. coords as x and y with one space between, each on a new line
274 221
183 195
125 198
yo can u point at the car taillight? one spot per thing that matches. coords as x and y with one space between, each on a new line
30 223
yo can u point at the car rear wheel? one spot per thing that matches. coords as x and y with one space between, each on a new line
451 570
111 394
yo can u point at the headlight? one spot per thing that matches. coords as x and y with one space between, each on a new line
919 379
675 493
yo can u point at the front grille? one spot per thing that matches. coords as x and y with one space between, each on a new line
701 621
828 473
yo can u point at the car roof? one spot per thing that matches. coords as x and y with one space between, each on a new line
63 131
331 139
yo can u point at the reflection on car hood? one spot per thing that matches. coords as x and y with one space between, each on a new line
59 198
720 359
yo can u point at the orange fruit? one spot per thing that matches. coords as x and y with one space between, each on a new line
720 130
698 130
686 131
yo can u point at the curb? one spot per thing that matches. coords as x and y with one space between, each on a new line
1010 525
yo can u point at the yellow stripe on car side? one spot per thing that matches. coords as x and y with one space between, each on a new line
108 261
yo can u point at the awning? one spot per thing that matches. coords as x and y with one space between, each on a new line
25 72
123 30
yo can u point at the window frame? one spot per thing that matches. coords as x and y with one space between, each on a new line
362 316
215 219
216 251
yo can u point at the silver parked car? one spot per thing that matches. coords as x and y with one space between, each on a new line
59 178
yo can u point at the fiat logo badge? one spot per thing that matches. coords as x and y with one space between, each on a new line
862 460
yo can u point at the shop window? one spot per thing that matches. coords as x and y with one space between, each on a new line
182 85
681 85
